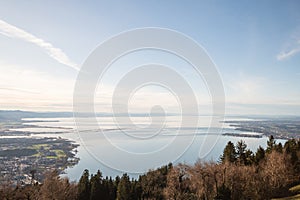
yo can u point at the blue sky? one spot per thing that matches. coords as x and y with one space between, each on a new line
255 45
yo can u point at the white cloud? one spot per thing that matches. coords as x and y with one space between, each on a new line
56 53
286 54
292 49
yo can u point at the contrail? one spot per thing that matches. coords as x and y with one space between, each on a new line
55 53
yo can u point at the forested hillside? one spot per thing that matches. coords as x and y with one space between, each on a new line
239 174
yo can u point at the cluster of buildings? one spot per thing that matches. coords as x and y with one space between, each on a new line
19 169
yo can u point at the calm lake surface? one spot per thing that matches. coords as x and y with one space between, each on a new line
136 147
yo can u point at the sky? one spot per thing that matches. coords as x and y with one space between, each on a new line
254 44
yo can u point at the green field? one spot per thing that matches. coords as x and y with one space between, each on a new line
39 147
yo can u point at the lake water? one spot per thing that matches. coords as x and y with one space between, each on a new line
136 147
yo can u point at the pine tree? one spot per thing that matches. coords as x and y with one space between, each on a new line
112 189
290 146
249 157
124 188
241 151
96 186
271 143
279 148
84 186
229 153
259 155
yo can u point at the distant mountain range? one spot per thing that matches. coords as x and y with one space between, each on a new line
17 115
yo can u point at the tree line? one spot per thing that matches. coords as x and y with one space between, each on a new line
239 174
